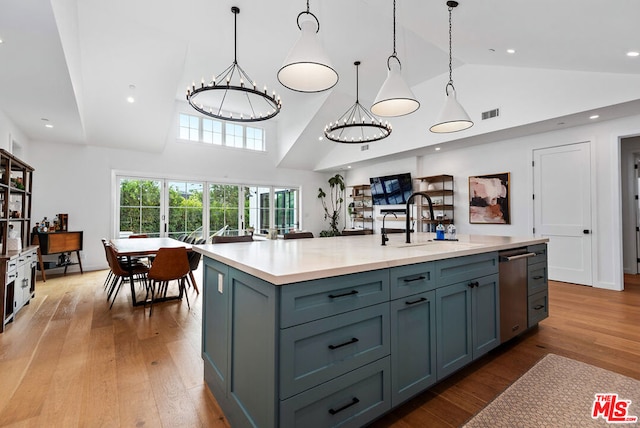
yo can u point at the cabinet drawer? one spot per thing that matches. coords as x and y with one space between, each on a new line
541 253
312 300
459 269
538 308
537 278
318 351
352 400
412 279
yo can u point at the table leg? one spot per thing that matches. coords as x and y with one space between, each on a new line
44 277
79 261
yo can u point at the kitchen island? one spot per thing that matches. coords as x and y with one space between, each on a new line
328 331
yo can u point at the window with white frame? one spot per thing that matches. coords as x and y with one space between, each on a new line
217 132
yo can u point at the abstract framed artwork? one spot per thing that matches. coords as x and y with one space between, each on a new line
489 199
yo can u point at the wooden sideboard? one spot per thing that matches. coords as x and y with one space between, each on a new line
58 243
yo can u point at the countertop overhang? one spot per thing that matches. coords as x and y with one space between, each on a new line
283 262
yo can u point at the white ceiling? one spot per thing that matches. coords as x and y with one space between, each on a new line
72 62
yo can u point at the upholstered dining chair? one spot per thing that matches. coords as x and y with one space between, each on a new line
169 264
122 272
229 239
194 261
298 235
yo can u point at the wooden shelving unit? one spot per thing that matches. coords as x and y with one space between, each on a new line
15 199
362 207
17 257
440 190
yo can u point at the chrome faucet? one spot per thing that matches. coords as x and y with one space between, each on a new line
384 232
408 229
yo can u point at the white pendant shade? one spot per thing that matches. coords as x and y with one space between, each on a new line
395 98
307 68
452 117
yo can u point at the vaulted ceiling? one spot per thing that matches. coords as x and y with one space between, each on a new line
72 63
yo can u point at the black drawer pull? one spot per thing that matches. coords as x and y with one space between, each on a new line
420 300
420 278
346 406
538 277
335 296
354 340
538 307
473 284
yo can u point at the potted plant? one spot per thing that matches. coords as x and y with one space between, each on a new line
332 204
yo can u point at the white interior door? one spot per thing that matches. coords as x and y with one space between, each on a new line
562 209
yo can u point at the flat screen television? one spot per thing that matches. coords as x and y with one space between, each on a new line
391 189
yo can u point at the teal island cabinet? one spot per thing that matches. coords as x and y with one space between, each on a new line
338 331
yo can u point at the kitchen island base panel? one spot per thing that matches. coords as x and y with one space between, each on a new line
265 368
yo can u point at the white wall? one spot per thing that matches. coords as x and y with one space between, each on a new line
515 156
78 180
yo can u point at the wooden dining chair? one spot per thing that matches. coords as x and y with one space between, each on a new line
169 264
298 235
229 239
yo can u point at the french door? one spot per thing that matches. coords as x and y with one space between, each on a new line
159 207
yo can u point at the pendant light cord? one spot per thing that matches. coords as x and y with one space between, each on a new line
395 53
394 29
450 49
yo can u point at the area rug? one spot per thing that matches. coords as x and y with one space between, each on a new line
561 392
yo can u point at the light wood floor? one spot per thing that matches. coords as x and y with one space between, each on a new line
68 361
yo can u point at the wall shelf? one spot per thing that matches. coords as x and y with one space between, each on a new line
440 190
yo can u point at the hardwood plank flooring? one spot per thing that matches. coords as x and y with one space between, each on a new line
69 361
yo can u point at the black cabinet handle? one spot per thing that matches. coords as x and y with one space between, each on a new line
354 400
538 277
474 284
586 231
420 300
335 296
538 307
420 278
354 340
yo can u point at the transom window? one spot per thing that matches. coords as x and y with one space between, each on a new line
217 132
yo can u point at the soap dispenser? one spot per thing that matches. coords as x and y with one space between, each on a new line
440 232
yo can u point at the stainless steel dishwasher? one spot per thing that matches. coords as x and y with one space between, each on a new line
513 292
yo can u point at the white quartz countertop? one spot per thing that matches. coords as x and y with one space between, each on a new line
287 261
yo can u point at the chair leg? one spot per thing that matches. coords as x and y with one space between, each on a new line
193 281
119 281
112 286
182 286
106 280
152 286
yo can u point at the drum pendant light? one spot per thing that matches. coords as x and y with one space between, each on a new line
308 68
395 97
453 117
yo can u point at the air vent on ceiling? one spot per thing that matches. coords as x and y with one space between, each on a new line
364 147
490 114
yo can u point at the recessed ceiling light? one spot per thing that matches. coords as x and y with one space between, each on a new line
594 116
320 138
348 166
131 100
511 51
1 41
48 125
437 149
633 53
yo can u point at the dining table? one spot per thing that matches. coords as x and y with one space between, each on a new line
144 247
